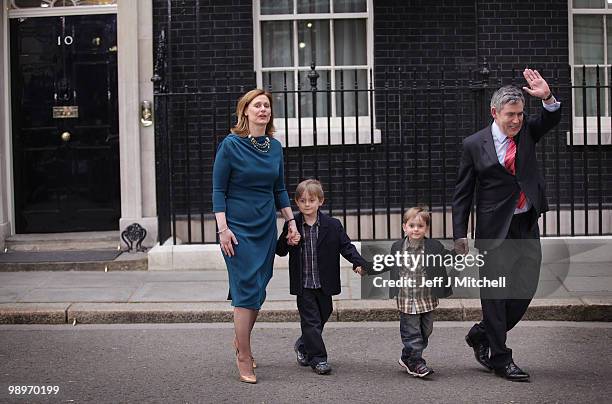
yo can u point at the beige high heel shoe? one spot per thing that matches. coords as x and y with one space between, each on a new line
244 378
236 348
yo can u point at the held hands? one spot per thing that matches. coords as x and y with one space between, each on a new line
461 246
537 86
360 271
227 241
293 235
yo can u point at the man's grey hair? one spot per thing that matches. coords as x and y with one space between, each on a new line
506 95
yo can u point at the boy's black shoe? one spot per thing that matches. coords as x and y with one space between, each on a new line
417 370
512 372
481 352
322 368
300 357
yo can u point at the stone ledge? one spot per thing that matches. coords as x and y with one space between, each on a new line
119 313
597 308
119 264
204 257
555 310
366 310
281 311
586 309
33 313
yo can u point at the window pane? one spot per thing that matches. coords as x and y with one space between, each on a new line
275 81
15 4
96 2
588 39
276 7
313 36
350 6
350 42
591 93
588 3
277 50
306 97
350 83
312 6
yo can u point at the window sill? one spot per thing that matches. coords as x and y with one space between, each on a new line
591 132
292 136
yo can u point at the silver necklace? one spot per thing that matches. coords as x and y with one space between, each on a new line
262 147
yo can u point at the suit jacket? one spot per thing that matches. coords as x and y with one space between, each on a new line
331 242
497 191
430 247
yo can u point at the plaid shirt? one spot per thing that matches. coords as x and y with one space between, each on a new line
416 299
310 270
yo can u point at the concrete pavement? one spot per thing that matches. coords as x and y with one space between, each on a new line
575 292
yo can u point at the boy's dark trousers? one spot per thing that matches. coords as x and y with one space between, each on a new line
315 307
415 330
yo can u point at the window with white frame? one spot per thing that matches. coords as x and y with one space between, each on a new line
337 36
24 4
591 60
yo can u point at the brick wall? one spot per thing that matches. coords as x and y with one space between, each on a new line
429 39
210 45
419 46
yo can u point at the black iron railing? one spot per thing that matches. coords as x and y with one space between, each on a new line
399 147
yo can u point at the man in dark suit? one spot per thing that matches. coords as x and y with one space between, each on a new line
499 165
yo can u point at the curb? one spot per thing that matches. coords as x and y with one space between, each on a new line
585 309
33 313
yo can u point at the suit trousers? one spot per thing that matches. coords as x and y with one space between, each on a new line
517 259
314 307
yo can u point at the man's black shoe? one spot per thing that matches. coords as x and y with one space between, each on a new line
481 353
322 368
512 372
300 357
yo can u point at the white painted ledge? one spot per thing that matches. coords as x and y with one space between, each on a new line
203 257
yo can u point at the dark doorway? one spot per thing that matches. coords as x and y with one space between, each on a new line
65 129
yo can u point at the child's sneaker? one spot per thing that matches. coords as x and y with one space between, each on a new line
322 368
301 358
417 370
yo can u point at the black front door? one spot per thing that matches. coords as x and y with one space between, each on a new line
65 130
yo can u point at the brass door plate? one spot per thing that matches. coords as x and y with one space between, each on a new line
71 111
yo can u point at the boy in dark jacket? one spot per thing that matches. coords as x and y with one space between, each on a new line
314 271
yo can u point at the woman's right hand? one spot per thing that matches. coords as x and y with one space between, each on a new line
227 241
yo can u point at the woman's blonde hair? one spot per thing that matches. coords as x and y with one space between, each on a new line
242 126
422 213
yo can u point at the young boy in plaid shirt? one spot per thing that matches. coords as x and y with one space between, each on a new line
415 302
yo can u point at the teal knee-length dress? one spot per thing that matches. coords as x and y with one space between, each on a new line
249 186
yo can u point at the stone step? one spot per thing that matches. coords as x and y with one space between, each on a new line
104 240
123 262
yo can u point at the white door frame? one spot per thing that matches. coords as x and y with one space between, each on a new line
7 213
134 69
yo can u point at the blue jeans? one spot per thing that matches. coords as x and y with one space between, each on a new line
415 330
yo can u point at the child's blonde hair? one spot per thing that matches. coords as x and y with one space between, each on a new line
417 211
312 186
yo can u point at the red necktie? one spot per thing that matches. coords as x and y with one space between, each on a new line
509 164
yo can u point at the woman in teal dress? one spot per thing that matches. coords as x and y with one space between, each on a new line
248 189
